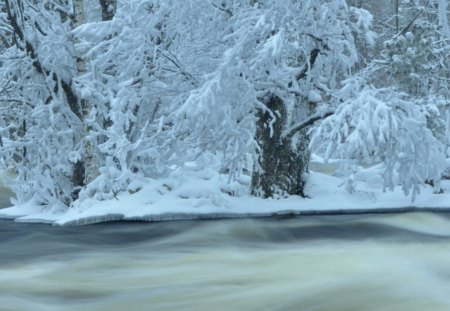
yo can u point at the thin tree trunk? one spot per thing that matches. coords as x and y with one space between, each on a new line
91 168
90 165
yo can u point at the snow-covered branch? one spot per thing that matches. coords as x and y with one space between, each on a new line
382 126
292 130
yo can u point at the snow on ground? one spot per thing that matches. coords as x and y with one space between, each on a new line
191 193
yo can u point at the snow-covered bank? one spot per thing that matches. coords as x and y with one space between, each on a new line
204 194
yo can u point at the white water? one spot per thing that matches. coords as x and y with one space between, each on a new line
386 262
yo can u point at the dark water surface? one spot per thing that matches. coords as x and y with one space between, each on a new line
365 262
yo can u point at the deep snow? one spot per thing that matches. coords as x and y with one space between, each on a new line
192 193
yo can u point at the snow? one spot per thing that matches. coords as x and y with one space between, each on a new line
168 87
193 193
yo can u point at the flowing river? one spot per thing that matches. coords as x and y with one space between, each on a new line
370 262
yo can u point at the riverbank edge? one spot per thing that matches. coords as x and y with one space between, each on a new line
201 196
284 214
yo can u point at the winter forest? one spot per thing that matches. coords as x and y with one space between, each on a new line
100 98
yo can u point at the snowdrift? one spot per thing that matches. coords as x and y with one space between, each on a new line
192 193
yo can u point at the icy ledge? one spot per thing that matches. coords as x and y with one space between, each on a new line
206 195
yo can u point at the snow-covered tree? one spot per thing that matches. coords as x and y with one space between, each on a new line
43 128
415 61
137 64
97 102
281 63
395 110
235 78
380 125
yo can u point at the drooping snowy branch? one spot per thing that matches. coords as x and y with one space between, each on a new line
383 126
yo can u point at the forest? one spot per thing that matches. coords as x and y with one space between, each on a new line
109 97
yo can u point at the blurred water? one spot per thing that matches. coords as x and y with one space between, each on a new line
370 262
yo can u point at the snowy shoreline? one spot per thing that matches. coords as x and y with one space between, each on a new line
283 214
204 194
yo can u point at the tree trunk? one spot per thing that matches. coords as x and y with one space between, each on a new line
281 165
90 166
108 9
90 162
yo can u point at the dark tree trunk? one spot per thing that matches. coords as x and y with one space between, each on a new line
281 167
108 8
